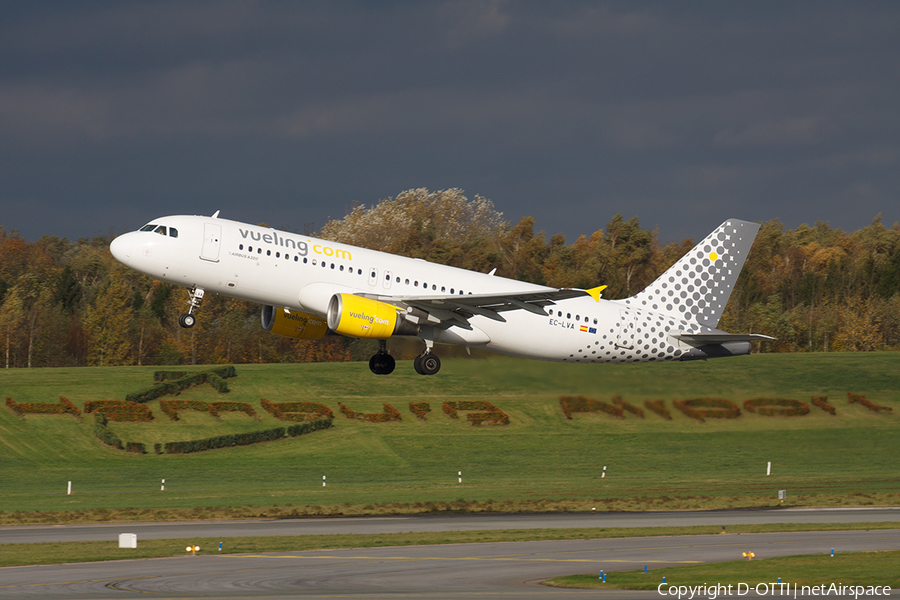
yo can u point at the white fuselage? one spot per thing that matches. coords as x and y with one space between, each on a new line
298 272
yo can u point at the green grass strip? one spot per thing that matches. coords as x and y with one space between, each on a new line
844 569
69 552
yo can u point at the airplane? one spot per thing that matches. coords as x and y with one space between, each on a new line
308 286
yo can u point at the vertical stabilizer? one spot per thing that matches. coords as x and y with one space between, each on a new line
697 287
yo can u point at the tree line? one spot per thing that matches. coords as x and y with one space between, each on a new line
815 288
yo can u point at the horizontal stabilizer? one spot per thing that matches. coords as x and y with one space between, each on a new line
719 338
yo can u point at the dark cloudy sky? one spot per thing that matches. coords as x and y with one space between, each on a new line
679 113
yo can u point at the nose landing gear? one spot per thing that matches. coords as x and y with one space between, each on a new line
187 321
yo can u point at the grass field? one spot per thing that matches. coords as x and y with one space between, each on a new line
540 461
866 569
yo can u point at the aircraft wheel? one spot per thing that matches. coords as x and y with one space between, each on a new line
382 364
427 364
187 321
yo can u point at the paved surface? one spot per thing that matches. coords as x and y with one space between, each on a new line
375 525
452 572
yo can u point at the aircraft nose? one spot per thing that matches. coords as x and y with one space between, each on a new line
122 247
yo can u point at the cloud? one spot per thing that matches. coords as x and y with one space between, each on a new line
569 112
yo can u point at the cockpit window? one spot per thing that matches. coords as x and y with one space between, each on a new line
149 227
173 232
161 230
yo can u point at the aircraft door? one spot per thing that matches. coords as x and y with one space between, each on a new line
627 323
212 236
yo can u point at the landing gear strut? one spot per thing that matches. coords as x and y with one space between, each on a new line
382 363
187 321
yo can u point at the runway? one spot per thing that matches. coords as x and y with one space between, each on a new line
451 572
381 525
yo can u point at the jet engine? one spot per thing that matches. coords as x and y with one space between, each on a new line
361 317
293 324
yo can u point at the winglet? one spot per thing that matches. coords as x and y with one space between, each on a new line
595 292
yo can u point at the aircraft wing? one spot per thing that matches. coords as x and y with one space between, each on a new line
449 310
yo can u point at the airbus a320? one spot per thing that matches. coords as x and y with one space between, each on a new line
308 286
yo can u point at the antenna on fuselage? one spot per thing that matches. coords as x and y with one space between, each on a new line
215 214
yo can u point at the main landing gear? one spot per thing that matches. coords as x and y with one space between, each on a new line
427 363
382 363
187 321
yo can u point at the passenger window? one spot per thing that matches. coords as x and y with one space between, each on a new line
240 247
433 287
451 291
398 280
443 289
342 267
268 253
406 282
173 232
278 255
416 283
568 315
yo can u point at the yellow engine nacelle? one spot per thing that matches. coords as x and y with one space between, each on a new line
293 324
366 318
